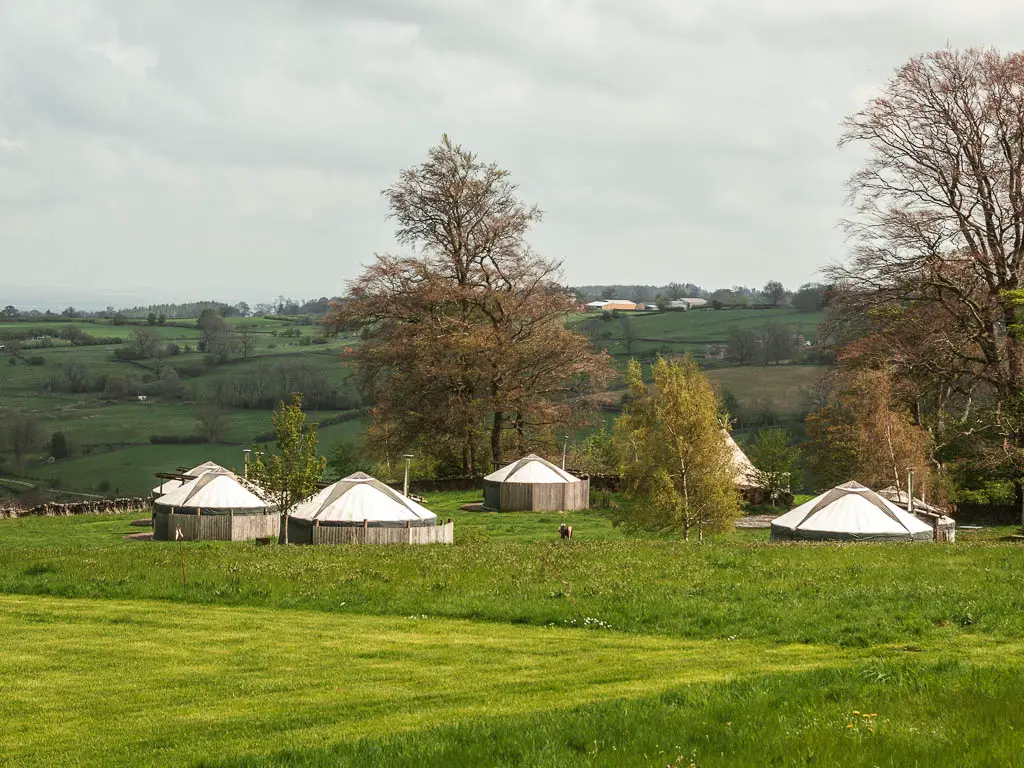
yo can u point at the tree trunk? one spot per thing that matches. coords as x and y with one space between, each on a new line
496 427
283 538
520 433
1018 497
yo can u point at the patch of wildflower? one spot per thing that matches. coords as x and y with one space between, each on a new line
862 722
588 622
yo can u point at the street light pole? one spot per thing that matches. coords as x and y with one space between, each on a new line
565 448
405 485
245 461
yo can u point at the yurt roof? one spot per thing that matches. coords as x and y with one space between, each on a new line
900 497
531 469
360 497
746 472
170 485
855 511
213 490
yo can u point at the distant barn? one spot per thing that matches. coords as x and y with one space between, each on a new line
535 484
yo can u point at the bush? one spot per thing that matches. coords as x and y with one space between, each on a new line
103 486
59 447
37 360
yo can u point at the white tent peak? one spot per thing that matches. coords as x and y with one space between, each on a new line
745 473
531 469
360 497
214 489
172 485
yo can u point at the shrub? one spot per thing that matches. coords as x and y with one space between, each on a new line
36 360
59 447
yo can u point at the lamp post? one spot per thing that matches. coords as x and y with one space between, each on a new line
565 449
245 461
405 484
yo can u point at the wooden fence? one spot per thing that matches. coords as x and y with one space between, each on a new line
216 527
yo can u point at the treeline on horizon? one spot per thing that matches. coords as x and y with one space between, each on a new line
808 297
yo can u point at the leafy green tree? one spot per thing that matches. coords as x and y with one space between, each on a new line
774 293
161 319
59 447
776 460
151 318
346 458
291 474
672 454
594 454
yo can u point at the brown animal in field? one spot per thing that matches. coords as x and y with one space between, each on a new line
565 531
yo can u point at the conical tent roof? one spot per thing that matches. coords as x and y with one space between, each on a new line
360 497
531 469
745 475
852 512
213 490
172 485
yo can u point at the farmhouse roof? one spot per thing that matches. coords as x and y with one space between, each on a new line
360 497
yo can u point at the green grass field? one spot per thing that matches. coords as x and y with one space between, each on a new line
508 648
110 437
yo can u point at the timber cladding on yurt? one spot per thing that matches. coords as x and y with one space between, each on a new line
541 497
215 527
358 534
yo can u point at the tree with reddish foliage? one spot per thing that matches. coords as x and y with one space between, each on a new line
861 432
465 351
939 246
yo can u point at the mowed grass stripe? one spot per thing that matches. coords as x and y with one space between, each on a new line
91 682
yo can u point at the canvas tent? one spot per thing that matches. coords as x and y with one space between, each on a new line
849 512
172 485
535 484
346 511
745 475
217 505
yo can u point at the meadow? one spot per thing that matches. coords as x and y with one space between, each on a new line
508 648
113 439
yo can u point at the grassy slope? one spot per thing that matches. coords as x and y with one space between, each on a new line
735 653
736 585
782 388
88 420
144 683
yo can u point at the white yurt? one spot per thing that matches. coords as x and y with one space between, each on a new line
849 512
217 505
172 485
535 484
361 509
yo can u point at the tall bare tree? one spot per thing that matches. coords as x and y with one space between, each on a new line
470 328
939 238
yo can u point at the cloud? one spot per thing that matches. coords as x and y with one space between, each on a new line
237 149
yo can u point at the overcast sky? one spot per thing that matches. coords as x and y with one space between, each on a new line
176 149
